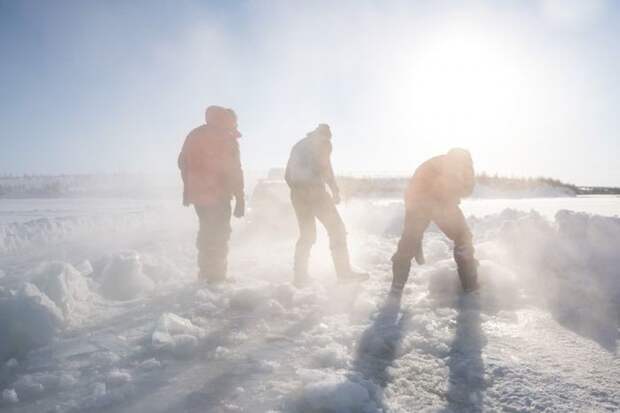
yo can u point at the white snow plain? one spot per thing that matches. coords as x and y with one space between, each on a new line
100 310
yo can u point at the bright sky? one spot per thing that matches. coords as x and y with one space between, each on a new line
531 87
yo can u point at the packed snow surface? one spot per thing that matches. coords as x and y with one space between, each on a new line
100 310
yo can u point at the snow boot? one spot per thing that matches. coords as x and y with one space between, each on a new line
467 266
300 264
340 255
400 274
468 274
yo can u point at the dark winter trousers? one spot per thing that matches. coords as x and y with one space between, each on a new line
313 203
450 219
212 241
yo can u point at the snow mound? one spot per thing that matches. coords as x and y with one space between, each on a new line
118 377
9 396
123 279
22 236
28 319
85 268
334 392
63 284
176 335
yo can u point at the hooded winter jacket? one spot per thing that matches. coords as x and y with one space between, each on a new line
445 178
310 164
210 162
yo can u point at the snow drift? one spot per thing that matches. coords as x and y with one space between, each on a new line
544 324
123 277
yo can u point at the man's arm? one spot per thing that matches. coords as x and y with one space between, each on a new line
469 180
237 173
182 164
237 182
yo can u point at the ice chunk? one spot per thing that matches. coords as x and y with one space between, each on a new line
32 386
62 283
336 393
150 364
118 377
123 279
85 268
9 396
221 353
28 319
176 334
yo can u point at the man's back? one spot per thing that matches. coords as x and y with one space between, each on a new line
443 178
209 162
308 162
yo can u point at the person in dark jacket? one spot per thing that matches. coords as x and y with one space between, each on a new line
308 171
433 194
211 171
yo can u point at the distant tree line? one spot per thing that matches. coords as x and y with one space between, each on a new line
136 186
598 190
372 186
506 184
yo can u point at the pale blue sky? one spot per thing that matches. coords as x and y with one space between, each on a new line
530 86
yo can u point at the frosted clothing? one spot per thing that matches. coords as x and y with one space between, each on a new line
433 195
212 241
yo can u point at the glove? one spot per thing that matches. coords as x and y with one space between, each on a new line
239 207
336 198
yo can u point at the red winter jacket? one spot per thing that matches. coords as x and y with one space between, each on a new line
210 166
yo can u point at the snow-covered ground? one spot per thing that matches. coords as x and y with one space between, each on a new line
100 311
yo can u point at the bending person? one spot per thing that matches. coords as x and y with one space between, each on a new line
434 194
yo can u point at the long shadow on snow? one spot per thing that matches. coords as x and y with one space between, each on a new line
247 373
466 368
378 346
240 373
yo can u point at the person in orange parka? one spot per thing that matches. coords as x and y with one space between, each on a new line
211 171
434 194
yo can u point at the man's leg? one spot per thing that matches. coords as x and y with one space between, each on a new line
409 245
307 233
202 241
212 242
329 216
452 222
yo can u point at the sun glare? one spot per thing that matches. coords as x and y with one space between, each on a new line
464 87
